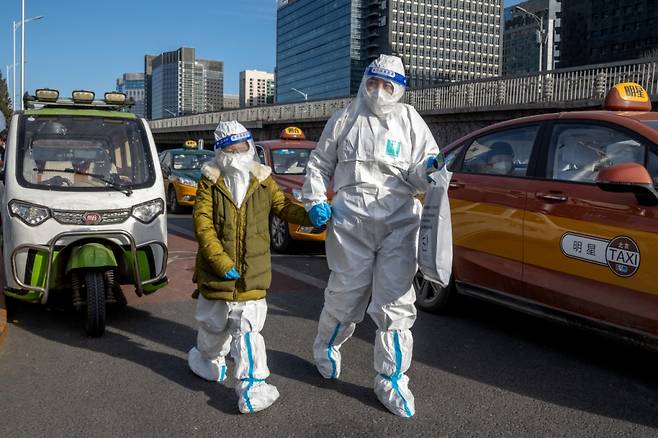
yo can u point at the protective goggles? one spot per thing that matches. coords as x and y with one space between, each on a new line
232 139
387 75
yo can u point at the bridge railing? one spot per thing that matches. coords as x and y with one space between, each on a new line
554 86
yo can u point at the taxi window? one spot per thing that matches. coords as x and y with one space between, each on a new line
290 161
190 161
504 153
652 165
579 151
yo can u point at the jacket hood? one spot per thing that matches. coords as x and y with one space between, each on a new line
211 171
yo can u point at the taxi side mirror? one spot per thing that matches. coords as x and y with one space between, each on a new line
629 178
165 171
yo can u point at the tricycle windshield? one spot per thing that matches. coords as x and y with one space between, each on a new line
83 153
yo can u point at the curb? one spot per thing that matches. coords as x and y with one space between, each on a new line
3 319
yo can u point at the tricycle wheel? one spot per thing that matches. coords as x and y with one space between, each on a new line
95 285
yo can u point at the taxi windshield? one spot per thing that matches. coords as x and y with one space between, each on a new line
83 153
290 161
190 161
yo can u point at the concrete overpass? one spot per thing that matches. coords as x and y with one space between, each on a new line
451 109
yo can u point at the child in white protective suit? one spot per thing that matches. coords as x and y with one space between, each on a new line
235 198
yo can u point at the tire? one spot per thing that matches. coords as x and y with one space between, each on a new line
172 201
95 285
431 297
280 239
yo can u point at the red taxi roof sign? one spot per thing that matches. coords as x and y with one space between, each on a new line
627 96
292 133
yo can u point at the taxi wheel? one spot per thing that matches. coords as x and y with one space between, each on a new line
279 235
430 296
172 201
95 285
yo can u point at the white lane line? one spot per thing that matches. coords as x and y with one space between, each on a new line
300 276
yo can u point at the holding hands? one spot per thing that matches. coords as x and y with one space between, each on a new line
320 214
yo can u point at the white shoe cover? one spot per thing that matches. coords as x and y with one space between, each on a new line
393 392
213 370
256 395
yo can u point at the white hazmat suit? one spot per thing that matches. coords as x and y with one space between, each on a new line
233 325
376 150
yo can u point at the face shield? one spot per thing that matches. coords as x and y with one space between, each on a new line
383 85
234 151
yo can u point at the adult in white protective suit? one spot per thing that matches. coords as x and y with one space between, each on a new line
235 197
378 152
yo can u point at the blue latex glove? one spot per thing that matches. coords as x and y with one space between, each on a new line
233 274
434 163
320 214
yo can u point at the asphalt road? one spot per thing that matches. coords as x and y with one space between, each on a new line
481 371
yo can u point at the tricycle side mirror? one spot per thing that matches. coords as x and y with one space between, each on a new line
629 178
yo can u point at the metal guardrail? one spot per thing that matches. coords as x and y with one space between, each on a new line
554 86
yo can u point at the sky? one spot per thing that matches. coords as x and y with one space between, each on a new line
88 44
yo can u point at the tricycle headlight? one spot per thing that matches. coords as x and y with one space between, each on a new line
297 194
148 211
29 213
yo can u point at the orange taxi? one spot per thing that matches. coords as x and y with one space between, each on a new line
181 171
287 156
557 215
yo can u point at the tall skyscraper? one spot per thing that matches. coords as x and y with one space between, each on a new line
256 88
601 31
523 36
179 84
324 46
132 84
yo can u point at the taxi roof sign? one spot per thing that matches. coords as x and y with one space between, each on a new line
190 144
292 133
627 96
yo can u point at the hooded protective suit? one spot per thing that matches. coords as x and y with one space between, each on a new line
234 325
376 150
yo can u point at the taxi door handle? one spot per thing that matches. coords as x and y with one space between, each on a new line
553 196
454 184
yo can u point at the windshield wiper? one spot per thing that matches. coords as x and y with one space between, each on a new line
112 184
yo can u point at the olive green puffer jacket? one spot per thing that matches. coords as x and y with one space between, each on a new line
229 236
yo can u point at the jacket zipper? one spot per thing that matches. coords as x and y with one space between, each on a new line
237 254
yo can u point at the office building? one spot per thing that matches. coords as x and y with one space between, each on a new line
323 47
602 31
179 84
231 101
256 88
531 28
132 84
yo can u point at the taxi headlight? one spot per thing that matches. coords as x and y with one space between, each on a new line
30 214
186 181
297 194
148 211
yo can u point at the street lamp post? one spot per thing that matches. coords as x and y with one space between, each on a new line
22 26
301 92
542 37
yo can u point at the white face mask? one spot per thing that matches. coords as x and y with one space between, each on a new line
380 101
502 167
231 162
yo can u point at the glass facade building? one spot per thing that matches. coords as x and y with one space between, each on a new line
132 84
324 46
179 84
521 37
319 49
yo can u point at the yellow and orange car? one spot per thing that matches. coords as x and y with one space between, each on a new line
287 156
181 169
567 226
